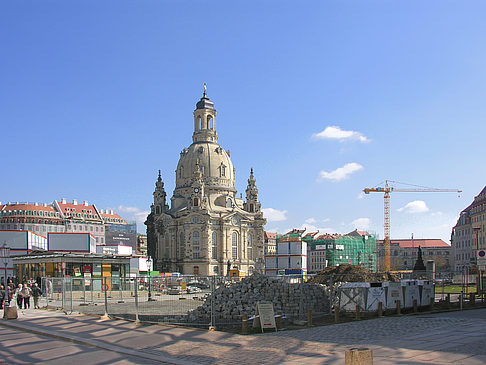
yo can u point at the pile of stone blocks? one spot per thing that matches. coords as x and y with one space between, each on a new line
232 300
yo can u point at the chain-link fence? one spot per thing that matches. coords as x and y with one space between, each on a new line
223 302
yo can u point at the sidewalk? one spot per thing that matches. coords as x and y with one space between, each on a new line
456 337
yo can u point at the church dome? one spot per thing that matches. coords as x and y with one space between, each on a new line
205 154
213 162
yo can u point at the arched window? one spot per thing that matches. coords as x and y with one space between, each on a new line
167 246
195 245
210 122
229 203
234 246
252 208
222 170
196 202
181 244
250 247
157 210
181 171
214 247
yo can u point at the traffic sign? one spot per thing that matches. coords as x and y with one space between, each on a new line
59 290
105 287
481 259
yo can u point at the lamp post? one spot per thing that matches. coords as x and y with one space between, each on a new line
149 270
5 255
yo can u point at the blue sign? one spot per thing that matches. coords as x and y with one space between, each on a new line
59 290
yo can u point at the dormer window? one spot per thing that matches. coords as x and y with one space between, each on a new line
222 170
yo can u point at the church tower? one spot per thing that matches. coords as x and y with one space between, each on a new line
208 229
252 204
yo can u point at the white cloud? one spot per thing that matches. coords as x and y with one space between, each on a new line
361 195
311 220
417 206
133 214
312 228
274 215
335 132
340 173
325 220
361 223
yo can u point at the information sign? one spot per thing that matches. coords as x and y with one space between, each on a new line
183 285
267 316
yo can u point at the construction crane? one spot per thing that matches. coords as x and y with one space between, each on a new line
386 190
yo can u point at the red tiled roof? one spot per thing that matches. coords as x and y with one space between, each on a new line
271 235
424 243
109 215
39 207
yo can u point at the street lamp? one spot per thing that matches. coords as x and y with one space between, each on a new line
5 255
149 270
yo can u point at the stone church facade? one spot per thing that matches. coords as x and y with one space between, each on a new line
207 229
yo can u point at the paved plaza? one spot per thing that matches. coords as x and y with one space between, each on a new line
41 336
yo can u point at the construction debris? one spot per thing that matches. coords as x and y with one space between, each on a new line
350 273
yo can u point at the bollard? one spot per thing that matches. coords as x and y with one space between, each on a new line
309 317
357 313
448 300
336 313
359 356
244 324
380 309
432 301
278 320
415 308
399 310
472 299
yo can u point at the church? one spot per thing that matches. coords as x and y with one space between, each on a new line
207 230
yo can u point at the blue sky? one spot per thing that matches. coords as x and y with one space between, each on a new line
95 97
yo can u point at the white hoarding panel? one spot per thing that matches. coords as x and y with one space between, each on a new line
393 294
70 242
283 248
270 262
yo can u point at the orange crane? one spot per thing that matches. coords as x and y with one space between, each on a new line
386 190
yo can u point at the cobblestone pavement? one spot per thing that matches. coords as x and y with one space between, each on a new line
449 338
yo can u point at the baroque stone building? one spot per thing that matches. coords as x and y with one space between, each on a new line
207 229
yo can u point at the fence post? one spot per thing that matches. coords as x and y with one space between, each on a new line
336 313
398 307
84 291
448 299
244 324
357 312
212 284
415 309
380 309
136 301
301 301
330 294
460 299
63 292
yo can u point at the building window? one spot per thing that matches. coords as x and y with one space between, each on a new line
250 247
195 252
214 247
234 246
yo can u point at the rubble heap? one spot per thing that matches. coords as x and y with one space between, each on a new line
232 301
350 273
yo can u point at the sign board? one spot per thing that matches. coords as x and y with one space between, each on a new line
183 285
339 247
320 247
104 287
266 315
481 259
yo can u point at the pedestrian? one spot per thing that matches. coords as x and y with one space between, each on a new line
25 293
2 296
36 293
18 296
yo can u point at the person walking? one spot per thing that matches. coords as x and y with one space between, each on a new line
36 293
18 296
25 293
